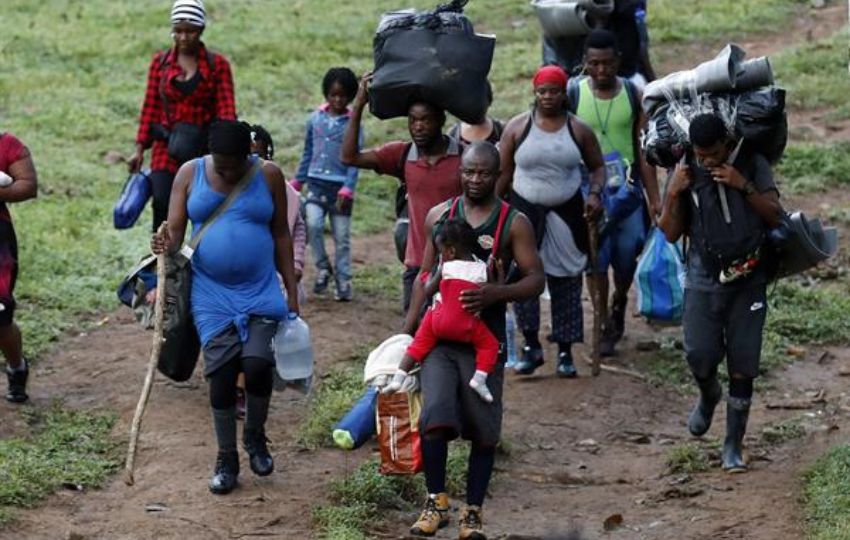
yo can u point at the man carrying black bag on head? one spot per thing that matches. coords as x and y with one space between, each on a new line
725 200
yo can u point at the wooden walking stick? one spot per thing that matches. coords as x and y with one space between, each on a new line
595 291
156 347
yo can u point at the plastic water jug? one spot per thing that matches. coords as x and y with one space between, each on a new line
293 352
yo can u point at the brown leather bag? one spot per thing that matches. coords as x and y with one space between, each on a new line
398 432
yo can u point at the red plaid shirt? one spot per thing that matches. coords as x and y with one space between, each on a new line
212 99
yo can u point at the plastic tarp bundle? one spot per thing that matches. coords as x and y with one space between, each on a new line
739 92
434 57
659 277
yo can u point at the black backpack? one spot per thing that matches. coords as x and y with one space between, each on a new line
725 235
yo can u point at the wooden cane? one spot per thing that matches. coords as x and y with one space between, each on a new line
156 347
596 355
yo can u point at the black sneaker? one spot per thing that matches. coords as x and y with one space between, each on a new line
17 384
323 278
566 367
260 459
226 472
343 291
532 358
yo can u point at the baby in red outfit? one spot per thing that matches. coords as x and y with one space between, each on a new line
446 319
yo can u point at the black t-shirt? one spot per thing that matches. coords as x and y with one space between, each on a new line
755 168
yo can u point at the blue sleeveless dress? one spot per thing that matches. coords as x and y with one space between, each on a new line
234 276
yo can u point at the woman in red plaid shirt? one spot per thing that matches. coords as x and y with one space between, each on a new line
188 87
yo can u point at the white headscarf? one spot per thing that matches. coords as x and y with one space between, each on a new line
189 11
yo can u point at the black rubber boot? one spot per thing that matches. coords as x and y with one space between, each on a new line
226 472
260 459
254 434
17 378
737 413
618 316
710 393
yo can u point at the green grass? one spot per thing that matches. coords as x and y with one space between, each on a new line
783 431
686 458
815 75
379 281
335 395
808 168
673 21
827 496
65 446
361 498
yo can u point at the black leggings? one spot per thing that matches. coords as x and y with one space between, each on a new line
161 182
480 468
259 378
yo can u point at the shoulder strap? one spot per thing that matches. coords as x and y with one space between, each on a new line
498 129
402 162
525 131
574 93
163 62
632 92
453 208
227 203
497 238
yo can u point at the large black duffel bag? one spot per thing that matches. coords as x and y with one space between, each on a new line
434 57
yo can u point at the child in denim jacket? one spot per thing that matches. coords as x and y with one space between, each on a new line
330 184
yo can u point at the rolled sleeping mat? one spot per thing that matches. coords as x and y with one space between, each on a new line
718 75
561 19
809 244
755 73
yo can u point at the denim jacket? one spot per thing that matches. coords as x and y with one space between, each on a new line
322 147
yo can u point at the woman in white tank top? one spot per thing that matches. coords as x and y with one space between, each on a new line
543 152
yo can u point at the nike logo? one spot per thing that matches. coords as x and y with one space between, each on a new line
756 306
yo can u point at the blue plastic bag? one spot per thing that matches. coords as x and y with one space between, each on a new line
358 426
659 277
130 204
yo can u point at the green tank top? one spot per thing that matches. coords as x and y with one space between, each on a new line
612 120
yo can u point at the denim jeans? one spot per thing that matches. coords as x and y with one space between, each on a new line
321 205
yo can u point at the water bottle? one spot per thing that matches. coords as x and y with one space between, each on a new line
293 352
510 338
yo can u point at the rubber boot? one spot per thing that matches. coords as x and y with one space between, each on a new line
618 315
737 413
17 379
227 462
710 393
254 434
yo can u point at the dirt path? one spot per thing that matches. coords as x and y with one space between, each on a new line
582 450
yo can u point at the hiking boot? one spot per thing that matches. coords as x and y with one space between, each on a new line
17 384
532 358
471 527
434 516
737 413
566 367
323 278
343 292
260 460
699 421
226 472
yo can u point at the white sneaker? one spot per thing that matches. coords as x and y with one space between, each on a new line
478 382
